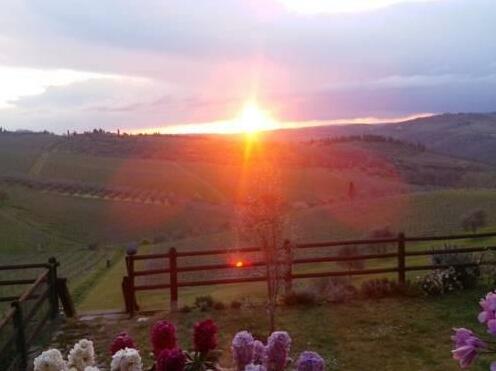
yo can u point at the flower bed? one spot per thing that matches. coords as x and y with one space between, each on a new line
247 352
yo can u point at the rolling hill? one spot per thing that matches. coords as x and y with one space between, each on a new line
465 135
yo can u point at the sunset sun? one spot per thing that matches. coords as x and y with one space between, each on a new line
253 119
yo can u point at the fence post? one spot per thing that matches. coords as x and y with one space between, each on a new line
65 297
52 284
173 278
288 274
22 348
130 298
401 258
126 294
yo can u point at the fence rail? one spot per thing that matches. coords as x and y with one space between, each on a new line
30 312
400 266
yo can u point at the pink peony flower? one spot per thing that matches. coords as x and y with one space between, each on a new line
205 336
162 336
121 341
171 360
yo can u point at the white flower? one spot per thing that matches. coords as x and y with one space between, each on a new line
252 367
50 360
91 368
126 359
82 355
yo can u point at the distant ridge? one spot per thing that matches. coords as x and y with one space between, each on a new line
466 135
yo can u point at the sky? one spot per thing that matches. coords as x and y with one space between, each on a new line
141 65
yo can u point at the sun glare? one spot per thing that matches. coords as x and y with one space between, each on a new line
253 119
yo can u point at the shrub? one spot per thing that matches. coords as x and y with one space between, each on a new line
204 302
474 220
467 276
3 196
235 304
185 309
218 305
300 298
341 293
380 288
336 289
158 239
380 233
440 282
347 252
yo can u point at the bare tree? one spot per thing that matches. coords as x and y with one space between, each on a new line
474 220
262 216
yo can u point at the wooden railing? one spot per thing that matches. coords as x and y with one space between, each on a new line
30 312
400 255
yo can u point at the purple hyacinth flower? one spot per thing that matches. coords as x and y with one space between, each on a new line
310 361
242 349
278 345
259 353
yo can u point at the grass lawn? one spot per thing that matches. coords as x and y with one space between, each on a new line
388 334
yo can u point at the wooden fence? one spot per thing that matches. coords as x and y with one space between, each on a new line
399 255
30 312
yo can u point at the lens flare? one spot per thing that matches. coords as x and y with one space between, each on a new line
253 119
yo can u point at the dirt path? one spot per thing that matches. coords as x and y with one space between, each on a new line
40 163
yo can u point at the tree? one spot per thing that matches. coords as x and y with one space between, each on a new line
380 233
3 196
262 216
474 220
348 252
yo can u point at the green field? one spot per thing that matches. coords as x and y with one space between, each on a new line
201 177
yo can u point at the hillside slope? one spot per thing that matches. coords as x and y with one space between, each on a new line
465 135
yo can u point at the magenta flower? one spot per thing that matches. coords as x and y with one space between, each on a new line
162 336
461 336
121 341
205 336
259 353
467 347
242 349
488 314
493 366
171 360
310 361
278 345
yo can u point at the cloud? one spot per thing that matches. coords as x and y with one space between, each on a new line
339 6
20 82
185 61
